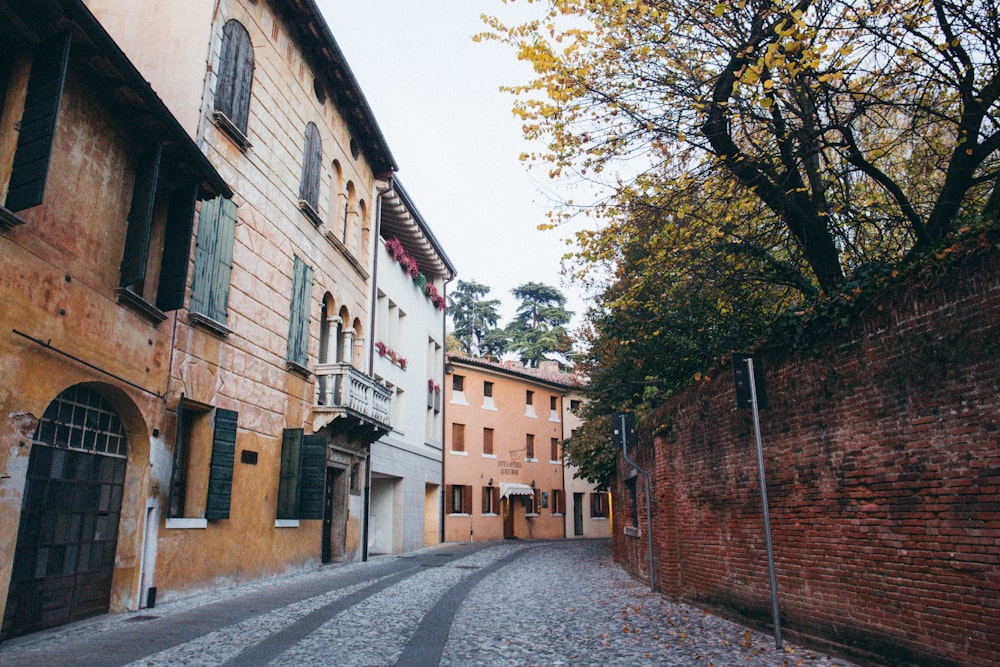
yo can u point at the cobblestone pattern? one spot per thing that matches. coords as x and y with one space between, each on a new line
559 603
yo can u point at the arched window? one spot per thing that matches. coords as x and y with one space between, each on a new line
232 95
312 158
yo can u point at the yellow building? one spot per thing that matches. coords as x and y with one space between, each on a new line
100 187
503 459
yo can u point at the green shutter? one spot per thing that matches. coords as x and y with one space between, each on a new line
220 475
140 217
176 249
288 477
213 259
298 324
38 124
312 477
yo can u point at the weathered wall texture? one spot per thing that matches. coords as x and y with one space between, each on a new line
882 455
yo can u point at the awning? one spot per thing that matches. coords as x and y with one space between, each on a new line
515 490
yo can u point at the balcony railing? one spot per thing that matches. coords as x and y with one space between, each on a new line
342 388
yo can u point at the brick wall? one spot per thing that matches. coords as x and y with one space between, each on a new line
882 454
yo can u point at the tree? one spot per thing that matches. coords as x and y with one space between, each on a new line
538 328
865 129
474 320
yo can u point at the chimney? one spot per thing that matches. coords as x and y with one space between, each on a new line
549 366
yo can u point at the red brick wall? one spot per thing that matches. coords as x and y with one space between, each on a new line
882 454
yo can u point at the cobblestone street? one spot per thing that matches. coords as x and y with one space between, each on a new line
490 603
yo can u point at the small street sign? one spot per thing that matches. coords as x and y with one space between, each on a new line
741 376
623 429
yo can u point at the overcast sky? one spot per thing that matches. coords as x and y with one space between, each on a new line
434 93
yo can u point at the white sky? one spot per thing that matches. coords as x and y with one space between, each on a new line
434 93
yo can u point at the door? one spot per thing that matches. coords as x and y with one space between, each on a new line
578 514
68 532
326 553
508 518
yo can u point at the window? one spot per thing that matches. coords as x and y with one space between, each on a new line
599 505
458 437
232 93
633 501
534 502
26 186
529 445
529 403
491 499
312 160
459 499
574 406
458 383
488 389
213 259
488 441
302 475
558 501
554 454
201 480
298 319
157 240
553 403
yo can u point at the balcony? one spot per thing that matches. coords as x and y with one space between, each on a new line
344 392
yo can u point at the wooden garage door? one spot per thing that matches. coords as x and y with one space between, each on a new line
65 555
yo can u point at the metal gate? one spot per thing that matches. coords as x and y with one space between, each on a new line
65 554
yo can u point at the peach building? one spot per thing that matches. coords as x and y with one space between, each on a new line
503 465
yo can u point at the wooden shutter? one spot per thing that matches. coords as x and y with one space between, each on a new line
450 496
176 249
38 124
312 159
140 217
232 94
466 500
537 499
213 258
312 477
290 473
298 321
220 475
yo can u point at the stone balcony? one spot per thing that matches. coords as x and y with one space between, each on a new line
344 392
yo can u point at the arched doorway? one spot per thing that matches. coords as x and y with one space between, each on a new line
68 533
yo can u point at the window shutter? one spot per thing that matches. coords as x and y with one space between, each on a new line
213 258
450 495
289 476
140 217
536 508
232 95
298 324
176 249
220 475
311 161
38 124
312 477
466 500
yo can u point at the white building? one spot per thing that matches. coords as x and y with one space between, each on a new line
589 511
406 474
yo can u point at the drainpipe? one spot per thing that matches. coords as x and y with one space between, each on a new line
383 185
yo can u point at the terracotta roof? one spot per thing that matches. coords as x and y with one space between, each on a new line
558 378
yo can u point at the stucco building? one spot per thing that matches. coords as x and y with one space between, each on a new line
406 474
188 300
99 185
503 459
589 512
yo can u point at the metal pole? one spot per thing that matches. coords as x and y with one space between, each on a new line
763 498
649 511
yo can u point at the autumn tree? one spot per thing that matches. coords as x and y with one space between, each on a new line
539 326
475 320
864 129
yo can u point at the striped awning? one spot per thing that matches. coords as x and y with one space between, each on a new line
515 490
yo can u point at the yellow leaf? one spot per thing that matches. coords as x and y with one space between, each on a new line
719 10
